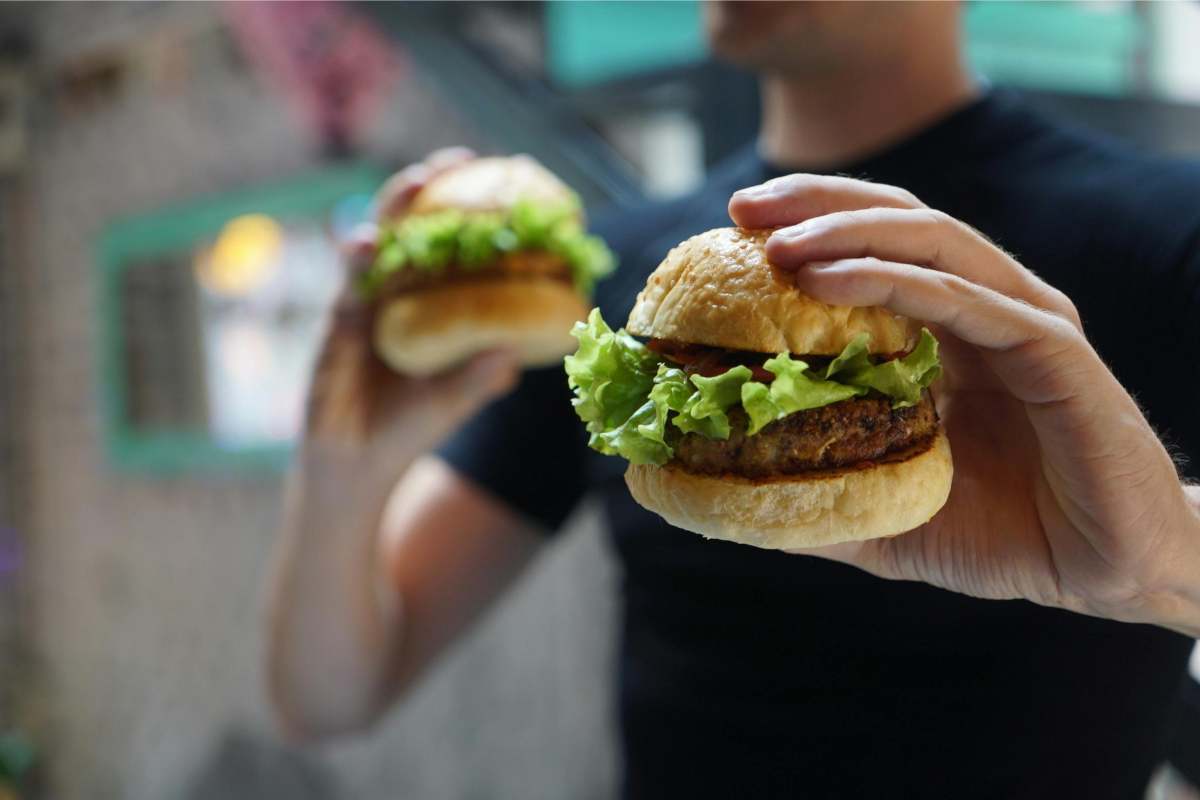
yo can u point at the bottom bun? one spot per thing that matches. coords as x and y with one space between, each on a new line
898 493
429 331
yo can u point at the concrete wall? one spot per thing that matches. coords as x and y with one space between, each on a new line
145 594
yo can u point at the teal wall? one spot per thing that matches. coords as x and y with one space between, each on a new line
1064 46
591 41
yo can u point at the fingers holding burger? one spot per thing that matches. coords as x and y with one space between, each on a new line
759 415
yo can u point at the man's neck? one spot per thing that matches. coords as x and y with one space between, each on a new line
821 122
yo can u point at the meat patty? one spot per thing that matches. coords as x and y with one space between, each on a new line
517 266
836 435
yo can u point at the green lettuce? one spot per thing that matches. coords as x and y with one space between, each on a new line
705 411
612 375
670 393
900 378
795 388
628 394
431 242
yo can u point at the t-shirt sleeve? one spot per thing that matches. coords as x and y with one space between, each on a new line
527 449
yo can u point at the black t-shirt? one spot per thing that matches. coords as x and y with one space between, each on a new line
753 673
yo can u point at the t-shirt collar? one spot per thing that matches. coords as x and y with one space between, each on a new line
972 123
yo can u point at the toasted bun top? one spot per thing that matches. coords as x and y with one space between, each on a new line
490 184
718 289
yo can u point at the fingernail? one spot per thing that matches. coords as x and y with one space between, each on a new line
818 265
754 192
790 234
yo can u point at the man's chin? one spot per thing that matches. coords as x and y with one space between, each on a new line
737 31
749 35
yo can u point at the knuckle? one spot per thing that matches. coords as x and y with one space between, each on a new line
1060 330
936 217
1067 308
954 285
939 222
1052 338
903 197
873 265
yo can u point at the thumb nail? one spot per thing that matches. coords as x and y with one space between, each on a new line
753 192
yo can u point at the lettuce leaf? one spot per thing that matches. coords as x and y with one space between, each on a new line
670 393
611 372
612 375
627 394
901 378
431 242
479 240
705 411
795 388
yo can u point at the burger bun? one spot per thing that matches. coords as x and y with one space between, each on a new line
718 289
883 498
430 331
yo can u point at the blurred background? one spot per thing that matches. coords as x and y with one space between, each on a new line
174 178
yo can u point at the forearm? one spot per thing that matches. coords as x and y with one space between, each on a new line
334 626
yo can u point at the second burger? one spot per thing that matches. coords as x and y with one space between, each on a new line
491 253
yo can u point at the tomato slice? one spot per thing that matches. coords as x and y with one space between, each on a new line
706 362
679 358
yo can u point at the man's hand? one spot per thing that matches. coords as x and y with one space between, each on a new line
362 601
358 407
1062 492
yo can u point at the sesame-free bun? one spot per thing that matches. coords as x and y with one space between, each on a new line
891 496
490 184
718 289
426 332
438 327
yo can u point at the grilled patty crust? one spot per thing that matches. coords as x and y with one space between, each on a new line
836 435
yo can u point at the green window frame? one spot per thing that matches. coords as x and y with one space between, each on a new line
169 232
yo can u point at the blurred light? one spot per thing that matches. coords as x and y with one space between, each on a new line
245 352
245 255
350 213
673 153
1175 59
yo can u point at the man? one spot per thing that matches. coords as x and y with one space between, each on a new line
748 673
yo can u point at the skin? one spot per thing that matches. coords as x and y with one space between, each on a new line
1063 493
838 83
386 554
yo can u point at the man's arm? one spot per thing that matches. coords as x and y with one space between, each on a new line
371 585
386 553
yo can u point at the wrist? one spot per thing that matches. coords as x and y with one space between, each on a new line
1178 601
1191 563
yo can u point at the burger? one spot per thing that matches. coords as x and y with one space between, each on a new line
757 414
489 254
